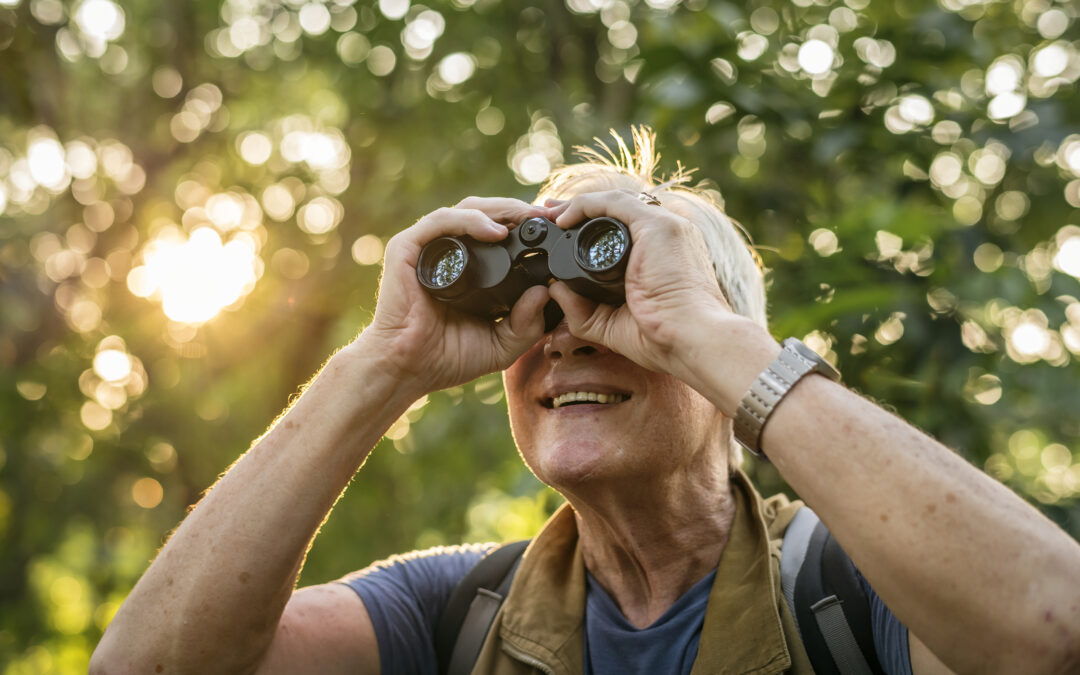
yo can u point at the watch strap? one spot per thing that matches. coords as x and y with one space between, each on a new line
794 362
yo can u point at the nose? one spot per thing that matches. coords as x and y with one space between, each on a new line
560 343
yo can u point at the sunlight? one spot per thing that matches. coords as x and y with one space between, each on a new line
45 157
1067 258
112 365
100 19
197 277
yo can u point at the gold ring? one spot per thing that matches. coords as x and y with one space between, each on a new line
648 199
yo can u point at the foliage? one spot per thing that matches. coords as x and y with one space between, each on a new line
194 198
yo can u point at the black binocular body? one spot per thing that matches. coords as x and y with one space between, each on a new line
486 279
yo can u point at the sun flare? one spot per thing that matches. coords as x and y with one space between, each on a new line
198 276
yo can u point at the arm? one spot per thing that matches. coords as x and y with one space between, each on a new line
986 582
212 598
219 596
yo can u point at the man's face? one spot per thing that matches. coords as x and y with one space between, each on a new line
651 424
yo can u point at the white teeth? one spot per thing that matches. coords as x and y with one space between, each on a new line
591 396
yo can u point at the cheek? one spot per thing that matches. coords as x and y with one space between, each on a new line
518 373
692 417
519 404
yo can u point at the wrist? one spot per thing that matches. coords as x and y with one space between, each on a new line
722 355
370 365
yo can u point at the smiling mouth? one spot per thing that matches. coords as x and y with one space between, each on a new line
583 398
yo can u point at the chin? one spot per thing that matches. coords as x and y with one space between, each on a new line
571 465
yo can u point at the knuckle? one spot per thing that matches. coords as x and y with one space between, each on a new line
677 225
469 202
392 246
685 226
474 214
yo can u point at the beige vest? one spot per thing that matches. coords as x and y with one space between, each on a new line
748 627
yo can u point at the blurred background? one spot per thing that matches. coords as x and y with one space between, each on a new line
194 199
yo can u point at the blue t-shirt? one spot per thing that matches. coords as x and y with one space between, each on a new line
405 595
614 647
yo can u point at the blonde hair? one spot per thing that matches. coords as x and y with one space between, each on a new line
736 264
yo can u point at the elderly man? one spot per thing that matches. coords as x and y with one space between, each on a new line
664 558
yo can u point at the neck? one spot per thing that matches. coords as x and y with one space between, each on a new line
646 547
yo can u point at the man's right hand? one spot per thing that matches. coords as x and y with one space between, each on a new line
428 345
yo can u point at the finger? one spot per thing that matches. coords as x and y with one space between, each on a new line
525 325
619 204
504 210
582 314
555 207
456 222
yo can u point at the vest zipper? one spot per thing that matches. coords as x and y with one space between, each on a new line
527 659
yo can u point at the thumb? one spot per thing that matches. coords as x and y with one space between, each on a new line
525 325
586 319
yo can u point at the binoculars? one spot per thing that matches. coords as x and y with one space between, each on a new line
486 279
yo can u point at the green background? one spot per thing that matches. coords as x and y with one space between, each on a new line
909 172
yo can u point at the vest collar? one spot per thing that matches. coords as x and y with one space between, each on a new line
743 631
542 618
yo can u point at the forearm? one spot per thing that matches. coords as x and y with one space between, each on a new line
212 598
985 580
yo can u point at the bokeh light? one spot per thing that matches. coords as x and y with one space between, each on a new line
457 68
100 20
911 182
393 9
146 492
255 148
537 152
1067 258
45 160
816 57
112 365
367 250
195 276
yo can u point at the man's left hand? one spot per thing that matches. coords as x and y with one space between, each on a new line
669 283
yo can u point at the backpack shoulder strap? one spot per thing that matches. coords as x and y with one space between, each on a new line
822 589
472 606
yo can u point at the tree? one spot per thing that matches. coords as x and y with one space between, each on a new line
194 198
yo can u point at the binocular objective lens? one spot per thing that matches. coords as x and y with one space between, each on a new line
448 267
605 250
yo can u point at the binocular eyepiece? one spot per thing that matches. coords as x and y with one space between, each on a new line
486 279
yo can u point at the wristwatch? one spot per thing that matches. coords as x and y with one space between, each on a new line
794 362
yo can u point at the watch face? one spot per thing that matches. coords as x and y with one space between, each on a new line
820 365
